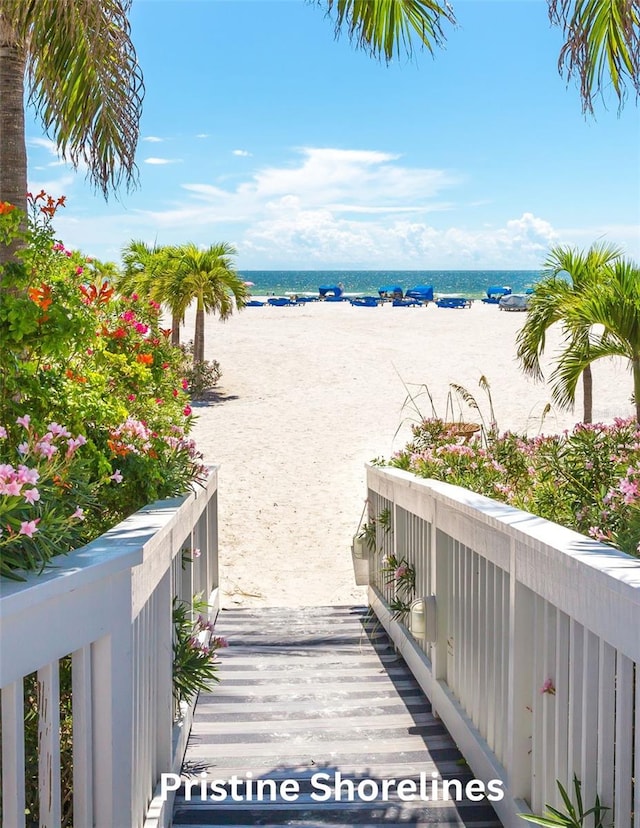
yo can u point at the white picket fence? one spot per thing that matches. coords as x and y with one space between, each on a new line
533 666
108 606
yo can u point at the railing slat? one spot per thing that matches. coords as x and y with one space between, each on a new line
49 745
606 722
561 673
81 687
624 741
13 794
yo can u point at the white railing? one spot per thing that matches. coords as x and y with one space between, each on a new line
532 646
109 607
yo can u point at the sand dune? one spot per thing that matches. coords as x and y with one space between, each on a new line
309 394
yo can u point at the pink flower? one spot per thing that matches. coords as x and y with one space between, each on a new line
141 327
29 527
27 475
548 687
196 553
400 572
46 449
186 410
79 270
58 247
116 476
134 297
58 430
24 421
3 432
31 495
79 514
184 384
12 488
131 397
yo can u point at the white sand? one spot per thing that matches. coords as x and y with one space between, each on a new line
309 394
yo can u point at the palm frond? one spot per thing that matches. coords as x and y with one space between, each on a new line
386 28
84 82
602 45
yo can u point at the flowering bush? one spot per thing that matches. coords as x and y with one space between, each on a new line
75 352
43 497
402 576
195 661
587 479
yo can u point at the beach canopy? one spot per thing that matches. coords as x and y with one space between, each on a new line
424 292
390 289
334 290
498 290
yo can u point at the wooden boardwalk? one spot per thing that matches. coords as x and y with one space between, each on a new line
306 696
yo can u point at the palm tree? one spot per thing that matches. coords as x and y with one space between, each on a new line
150 271
84 81
208 277
551 300
614 307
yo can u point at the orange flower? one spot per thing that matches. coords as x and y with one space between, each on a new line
5 208
145 359
41 296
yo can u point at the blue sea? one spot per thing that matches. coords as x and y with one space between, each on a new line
471 283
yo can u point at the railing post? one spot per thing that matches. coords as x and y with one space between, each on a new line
112 670
520 685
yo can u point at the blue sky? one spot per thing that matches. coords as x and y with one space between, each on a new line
261 129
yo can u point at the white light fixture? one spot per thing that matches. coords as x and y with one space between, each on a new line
422 618
359 547
360 561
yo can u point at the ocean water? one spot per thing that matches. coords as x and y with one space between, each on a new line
471 283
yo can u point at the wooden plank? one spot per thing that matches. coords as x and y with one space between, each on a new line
325 711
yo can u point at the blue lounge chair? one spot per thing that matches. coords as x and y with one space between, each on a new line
280 301
453 302
254 303
365 302
406 303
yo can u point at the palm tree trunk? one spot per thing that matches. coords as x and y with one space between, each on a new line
198 336
587 393
13 152
175 329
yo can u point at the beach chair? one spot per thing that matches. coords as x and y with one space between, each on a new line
453 302
365 302
280 301
406 303
254 303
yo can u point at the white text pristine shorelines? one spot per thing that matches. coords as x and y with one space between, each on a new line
331 787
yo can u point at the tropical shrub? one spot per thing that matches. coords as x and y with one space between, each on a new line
587 479
76 353
195 662
201 376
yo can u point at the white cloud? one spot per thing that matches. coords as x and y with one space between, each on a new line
336 208
153 139
242 153
203 135
159 161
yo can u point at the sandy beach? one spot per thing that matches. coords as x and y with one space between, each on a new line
309 394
